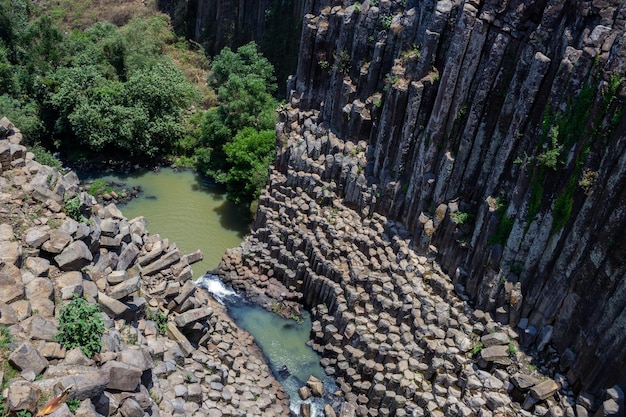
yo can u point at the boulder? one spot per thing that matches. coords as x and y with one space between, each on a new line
125 288
86 381
74 257
316 386
68 284
26 357
11 287
122 376
544 389
10 252
192 316
59 239
37 236
22 395
38 266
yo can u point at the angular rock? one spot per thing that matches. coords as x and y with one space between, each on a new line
37 236
10 252
125 288
68 284
11 287
23 395
86 381
316 386
58 240
495 353
122 376
38 266
192 316
74 257
544 389
111 306
137 357
27 357
495 339
127 257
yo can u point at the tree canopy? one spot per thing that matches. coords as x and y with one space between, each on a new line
244 118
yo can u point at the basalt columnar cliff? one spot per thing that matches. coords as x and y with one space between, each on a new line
488 136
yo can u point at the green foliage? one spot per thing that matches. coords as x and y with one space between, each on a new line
512 349
550 157
249 155
23 413
159 318
80 325
5 338
504 227
24 114
563 204
476 347
44 157
245 84
99 187
73 404
461 217
385 21
72 209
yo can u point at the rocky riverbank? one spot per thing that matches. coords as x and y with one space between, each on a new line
168 348
389 324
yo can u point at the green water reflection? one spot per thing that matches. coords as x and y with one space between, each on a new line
187 210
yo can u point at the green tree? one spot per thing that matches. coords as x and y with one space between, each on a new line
249 154
245 84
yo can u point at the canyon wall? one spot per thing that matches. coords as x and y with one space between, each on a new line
492 131
273 24
495 132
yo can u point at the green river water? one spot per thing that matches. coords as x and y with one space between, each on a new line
189 211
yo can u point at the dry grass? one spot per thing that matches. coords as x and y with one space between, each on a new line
81 14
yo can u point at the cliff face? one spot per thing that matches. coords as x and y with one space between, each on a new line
273 24
495 134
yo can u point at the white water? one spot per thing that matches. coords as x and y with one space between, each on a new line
216 287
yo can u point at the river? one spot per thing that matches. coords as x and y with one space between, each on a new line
190 211
186 209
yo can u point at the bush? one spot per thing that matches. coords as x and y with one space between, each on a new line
44 157
72 209
81 325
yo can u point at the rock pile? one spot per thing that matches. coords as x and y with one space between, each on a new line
168 349
389 324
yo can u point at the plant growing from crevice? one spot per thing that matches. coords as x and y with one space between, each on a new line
159 318
461 217
81 326
72 209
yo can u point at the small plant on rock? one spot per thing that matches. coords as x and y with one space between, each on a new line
73 404
461 217
159 318
72 209
80 325
476 347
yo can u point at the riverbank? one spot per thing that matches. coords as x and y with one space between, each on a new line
168 348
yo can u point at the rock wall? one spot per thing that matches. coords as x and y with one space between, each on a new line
167 347
273 24
494 133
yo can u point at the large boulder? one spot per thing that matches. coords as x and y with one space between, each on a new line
74 257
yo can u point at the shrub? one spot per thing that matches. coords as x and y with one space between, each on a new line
44 157
72 209
80 325
461 217
159 318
